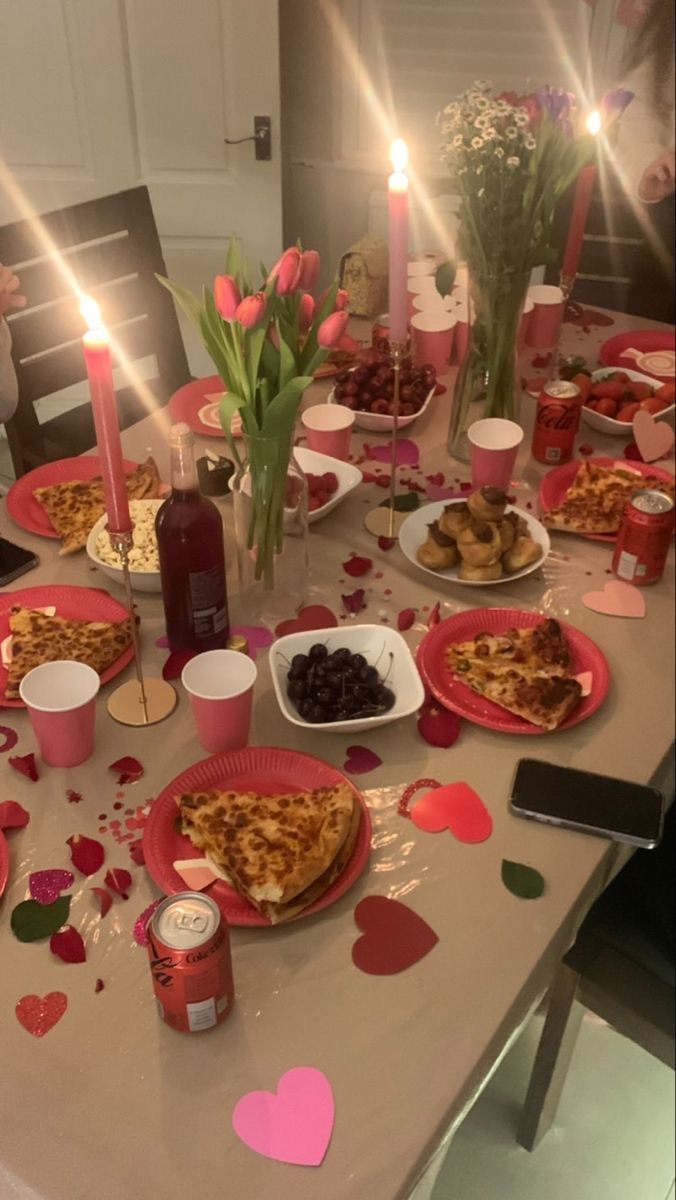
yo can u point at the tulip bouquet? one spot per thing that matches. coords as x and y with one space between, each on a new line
265 345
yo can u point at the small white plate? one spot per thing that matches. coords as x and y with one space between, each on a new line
209 415
381 422
608 424
414 532
348 476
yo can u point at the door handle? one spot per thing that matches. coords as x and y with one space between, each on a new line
262 136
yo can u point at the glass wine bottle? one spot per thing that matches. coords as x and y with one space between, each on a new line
192 558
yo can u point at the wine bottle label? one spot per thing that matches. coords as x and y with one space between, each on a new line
207 597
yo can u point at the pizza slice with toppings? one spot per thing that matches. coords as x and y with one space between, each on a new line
597 498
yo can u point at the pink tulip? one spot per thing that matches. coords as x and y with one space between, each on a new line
287 271
332 329
309 269
251 310
306 312
226 296
341 299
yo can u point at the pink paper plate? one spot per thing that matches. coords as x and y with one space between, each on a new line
266 769
22 506
78 603
4 862
185 404
461 699
557 482
645 340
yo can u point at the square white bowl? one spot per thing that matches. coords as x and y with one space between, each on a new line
608 424
376 643
349 477
382 422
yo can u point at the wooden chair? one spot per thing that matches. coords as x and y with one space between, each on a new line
112 248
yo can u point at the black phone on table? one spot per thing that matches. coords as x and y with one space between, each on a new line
14 561
598 804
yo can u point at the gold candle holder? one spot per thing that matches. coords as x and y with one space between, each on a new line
144 700
386 521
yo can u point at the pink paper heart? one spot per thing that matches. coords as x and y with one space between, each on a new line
408 454
293 1124
39 1014
394 936
257 636
456 807
360 760
616 600
46 886
654 439
315 616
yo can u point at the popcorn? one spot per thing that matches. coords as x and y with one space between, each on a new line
144 555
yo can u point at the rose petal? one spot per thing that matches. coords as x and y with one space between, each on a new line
382 481
632 452
435 616
118 880
405 619
140 935
129 769
12 815
354 603
386 543
356 566
105 900
46 886
73 797
11 738
585 449
360 760
25 764
136 853
437 726
438 479
86 854
68 945
99 985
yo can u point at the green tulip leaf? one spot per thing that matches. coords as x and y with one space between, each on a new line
444 278
190 303
32 922
522 881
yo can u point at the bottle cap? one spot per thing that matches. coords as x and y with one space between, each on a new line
181 435
237 642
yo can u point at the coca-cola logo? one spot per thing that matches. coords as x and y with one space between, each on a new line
556 416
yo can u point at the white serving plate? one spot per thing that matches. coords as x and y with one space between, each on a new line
414 532
141 581
349 477
381 422
376 643
609 424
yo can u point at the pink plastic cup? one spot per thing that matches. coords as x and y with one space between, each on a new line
493 446
419 285
432 338
61 701
544 323
329 429
220 684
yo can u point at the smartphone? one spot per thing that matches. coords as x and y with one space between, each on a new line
14 561
612 808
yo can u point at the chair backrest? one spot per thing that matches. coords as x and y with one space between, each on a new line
111 247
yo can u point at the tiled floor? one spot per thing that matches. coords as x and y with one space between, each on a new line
613 1138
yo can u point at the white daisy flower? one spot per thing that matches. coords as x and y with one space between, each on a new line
457 140
499 152
481 192
481 102
529 142
513 161
477 143
511 132
479 170
521 118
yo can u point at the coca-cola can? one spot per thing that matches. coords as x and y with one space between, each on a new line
645 536
189 950
557 420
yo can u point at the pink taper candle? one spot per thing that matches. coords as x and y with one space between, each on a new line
583 194
397 197
96 346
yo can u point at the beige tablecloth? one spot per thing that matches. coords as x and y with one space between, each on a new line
113 1104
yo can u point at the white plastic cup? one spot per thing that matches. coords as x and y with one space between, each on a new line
61 700
432 302
220 684
494 444
329 428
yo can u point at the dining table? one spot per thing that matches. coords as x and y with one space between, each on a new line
111 1102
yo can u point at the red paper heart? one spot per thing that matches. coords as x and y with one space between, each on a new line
39 1014
456 807
315 616
394 936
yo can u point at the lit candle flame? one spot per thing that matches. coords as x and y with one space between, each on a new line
91 312
398 154
594 122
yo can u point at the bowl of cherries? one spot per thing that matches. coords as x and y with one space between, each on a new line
369 390
345 680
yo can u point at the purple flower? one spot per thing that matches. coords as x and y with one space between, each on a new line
614 102
559 104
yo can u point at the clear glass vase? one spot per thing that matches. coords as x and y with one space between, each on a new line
271 527
488 383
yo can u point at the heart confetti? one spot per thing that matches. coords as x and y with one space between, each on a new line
119 881
456 807
438 726
86 854
655 439
128 770
354 602
408 453
39 1014
12 815
31 921
73 797
46 886
314 616
68 945
617 599
174 664
293 1124
26 765
405 619
105 900
357 565
522 881
360 760
394 936
257 637
10 737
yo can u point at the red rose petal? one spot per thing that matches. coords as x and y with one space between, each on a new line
383 481
405 619
105 900
11 738
129 769
368 477
118 880
99 985
136 853
437 726
86 854
437 479
632 452
356 566
435 616
68 945
12 815
585 449
386 543
25 764
465 487
354 603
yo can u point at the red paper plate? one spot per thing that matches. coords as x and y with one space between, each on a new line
22 506
256 768
4 862
461 699
557 482
646 340
78 603
185 404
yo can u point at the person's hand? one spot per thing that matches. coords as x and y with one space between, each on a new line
10 296
659 179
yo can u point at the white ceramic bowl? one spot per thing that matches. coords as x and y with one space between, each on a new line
376 643
141 581
608 424
381 422
348 476
414 532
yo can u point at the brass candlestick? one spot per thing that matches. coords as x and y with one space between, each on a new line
380 521
140 701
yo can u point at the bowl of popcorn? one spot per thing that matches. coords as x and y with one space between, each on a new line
144 563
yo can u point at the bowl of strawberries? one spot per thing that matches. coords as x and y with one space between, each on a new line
612 398
329 481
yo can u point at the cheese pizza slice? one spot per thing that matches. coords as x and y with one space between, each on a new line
74 506
39 638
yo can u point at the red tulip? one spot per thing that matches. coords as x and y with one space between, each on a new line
226 296
341 299
251 310
287 271
306 312
309 269
332 329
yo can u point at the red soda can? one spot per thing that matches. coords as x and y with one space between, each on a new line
557 420
645 536
189 949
